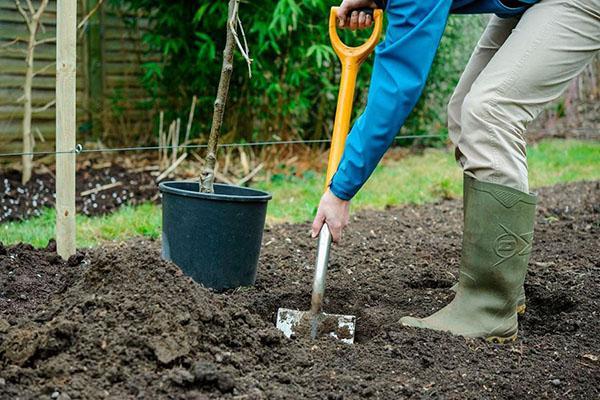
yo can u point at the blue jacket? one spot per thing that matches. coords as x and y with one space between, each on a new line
402 63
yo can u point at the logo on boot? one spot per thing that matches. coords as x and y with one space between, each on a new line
510 244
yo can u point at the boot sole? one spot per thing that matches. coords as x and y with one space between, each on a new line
502 340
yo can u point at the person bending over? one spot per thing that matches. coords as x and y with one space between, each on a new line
525 58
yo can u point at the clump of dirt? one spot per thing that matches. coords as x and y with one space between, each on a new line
30 277
132 326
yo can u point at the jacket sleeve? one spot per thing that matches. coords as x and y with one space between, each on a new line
402 63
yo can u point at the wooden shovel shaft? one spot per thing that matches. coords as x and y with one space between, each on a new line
343 114
351 59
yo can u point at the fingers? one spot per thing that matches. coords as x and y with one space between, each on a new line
356 19
335 227
368 21
342 14
362 20
317 224
336 232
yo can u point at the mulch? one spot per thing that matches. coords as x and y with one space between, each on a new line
102 187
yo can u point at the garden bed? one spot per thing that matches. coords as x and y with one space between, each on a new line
117 322
101 188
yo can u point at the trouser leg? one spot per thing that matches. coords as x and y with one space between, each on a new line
494 36
551 44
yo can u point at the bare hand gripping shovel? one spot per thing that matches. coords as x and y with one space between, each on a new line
315 323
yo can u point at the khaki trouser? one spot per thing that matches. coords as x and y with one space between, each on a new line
519 65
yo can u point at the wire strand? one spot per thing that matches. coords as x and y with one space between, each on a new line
80 149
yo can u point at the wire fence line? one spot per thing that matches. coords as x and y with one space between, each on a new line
79 149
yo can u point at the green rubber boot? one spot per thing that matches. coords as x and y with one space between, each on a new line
498 232
521 301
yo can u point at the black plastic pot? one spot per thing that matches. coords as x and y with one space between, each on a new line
214 238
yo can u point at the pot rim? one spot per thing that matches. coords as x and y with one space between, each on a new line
258 196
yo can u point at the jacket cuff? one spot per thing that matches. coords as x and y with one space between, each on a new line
380 4
339 192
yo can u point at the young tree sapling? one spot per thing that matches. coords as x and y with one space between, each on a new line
207 176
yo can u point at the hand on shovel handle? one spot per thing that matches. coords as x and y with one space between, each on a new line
334 212
356 14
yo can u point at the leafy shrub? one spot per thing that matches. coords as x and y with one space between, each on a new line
295 73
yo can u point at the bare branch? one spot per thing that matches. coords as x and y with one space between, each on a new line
44 41
251 175
8 50
207 176
190 120
90 14
40 10
234 25
23 14
44 69
172 168
12 42
39 133
30 5
44 107
101 188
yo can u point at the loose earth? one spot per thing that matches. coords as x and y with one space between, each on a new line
117 322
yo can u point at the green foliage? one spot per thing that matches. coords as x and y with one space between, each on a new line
295 72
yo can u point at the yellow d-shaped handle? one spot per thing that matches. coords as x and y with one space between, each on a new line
351 58
354 54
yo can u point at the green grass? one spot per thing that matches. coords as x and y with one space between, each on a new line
143 220
415 179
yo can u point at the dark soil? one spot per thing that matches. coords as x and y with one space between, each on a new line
19 202
120 323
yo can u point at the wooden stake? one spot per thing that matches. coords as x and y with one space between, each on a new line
168 144
160 137
66 45
188 130
175 142
172 168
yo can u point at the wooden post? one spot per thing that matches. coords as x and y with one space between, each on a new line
66 47
95 78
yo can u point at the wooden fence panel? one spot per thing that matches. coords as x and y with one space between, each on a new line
123 97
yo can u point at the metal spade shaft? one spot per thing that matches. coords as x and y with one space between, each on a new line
291 321
321 264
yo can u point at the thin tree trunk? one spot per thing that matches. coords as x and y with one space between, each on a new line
27 159
32 21
207 177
